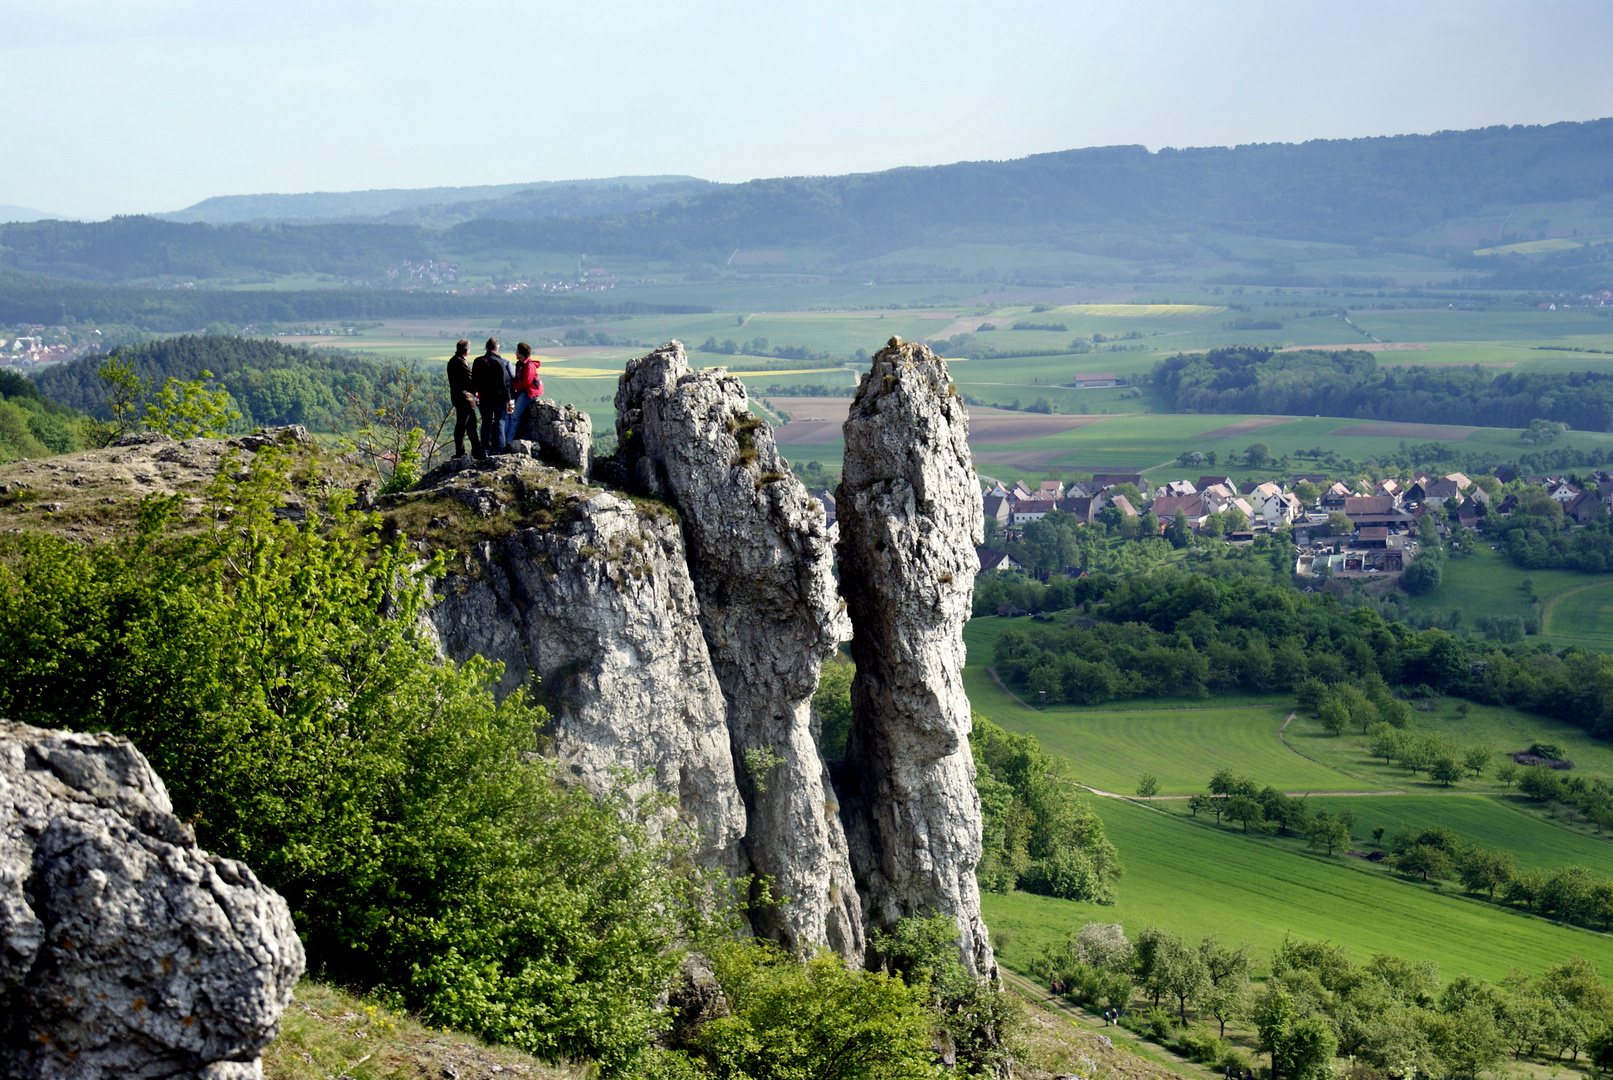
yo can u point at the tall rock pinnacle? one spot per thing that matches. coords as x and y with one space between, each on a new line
910 517
761 560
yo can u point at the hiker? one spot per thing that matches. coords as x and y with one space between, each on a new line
526 386
462 392
491 377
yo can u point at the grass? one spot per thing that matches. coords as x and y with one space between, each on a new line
328 1032
1194 879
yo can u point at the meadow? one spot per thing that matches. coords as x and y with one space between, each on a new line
1193 878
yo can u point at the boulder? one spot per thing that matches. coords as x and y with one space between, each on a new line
556 433
126 950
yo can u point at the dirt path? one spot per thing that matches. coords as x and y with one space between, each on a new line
1119 1038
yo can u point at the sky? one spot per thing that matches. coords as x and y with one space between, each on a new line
131 106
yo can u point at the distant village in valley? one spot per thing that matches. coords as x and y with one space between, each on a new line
1339 529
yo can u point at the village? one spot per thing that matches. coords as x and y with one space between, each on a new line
1338 530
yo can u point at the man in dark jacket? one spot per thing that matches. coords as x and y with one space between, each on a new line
491 376
462 392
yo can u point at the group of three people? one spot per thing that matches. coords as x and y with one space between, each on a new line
501 394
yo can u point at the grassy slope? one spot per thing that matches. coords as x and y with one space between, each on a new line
1194 879
330 1033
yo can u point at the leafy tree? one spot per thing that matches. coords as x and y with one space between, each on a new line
188 410
1338 524
1486 871
1507 772
1423 575
1425 860
1446 770
1383 741
1245 809
123 389
1201 803
1334 715
1147 786
832 703
1477 757
1257 454
1327 833
1227 998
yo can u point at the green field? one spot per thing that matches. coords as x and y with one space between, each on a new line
1490 821
1196 879
1503 729
1582 615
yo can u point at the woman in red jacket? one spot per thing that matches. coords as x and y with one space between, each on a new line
525 386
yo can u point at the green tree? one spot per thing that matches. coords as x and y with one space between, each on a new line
1334 716
1338 524
190 410
1507 772
1257 454
1446 770
832 703
1383 741
1147 786
1423 575
1243 808
1327 833
1477 758
1423 859
1486 871
123 389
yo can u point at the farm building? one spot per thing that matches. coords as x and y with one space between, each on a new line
998 507
1123 504
1083 510
1028 510
1209 481
1166 507
1095 379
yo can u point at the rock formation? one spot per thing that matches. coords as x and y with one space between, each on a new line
124 949
556 433
909 514
589 594
761 560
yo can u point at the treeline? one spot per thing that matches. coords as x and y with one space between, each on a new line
1390 1015
1038 834
25 298
1174 632
270 383
1243 379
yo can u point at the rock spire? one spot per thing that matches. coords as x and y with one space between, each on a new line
910 516
761 559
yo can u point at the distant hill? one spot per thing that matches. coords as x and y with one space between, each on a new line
567 196
1122 201
22 213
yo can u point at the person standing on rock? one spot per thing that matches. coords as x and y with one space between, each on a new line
526 386
462 392
491 377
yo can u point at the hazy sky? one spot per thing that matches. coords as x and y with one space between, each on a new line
124 106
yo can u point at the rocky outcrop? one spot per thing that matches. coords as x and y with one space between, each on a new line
585 596
761 560
909 515
126 951
555 433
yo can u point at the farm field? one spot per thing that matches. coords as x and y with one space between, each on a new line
1581 615
1194 879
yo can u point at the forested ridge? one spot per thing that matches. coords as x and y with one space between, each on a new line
1120 200
1254 379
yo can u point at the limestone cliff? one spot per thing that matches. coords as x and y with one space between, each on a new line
761 560
588 592
910 515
